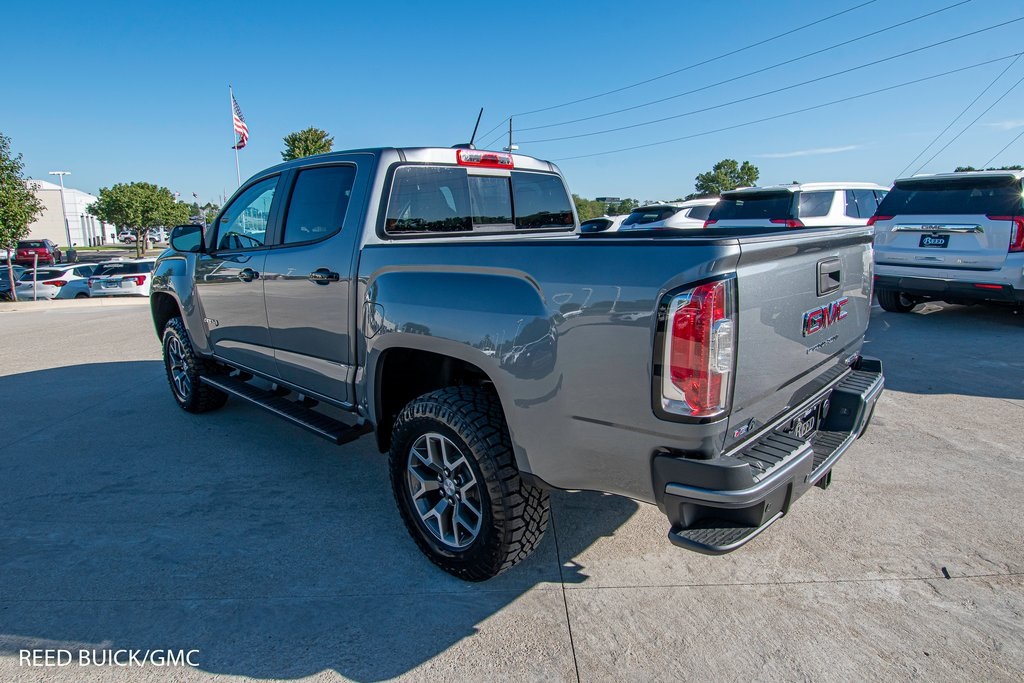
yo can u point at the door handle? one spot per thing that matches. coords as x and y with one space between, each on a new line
322 276
248 275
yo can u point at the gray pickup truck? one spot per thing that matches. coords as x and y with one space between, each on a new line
445 300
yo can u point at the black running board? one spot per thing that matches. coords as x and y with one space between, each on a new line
714 537
335 431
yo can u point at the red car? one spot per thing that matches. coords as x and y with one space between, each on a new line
49 253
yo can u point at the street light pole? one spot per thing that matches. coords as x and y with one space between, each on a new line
63 208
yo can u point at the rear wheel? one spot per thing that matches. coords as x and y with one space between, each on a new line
185 371
895 301
81 295
455 480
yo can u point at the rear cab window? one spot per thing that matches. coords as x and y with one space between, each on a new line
760 206
969 196
448 199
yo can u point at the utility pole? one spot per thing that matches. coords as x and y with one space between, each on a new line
63 209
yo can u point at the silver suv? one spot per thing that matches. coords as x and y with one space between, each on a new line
955 237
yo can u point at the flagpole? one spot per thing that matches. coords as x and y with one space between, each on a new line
234 145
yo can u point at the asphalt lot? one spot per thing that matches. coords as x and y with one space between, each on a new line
127 523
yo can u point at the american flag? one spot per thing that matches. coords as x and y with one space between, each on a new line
239 123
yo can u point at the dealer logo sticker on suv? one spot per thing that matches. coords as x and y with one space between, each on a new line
822 317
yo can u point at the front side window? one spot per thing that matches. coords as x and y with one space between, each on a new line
318 204
814 204
243 225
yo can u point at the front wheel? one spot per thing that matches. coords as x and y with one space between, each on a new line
460 494
185 371
895 301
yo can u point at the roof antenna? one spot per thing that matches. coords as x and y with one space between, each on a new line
473 137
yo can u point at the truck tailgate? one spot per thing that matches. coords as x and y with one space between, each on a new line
803 305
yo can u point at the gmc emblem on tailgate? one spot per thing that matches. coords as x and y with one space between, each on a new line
817 319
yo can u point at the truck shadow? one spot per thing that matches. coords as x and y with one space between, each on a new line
131 525
947 349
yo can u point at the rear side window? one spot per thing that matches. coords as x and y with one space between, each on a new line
814 204
700 213
41 275
318 204
754 207
427 199
992 196
540 201
861 203
650 214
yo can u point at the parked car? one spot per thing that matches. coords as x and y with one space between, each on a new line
801 205
67 281
127 277
602 224
5 281
688 215
955 237
48 252
406 289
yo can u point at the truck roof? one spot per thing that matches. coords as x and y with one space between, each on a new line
423 155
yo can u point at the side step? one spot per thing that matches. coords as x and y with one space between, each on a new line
714 537
335 431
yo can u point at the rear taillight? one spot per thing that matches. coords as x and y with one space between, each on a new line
139 280
789 222
56 283
710 221
1016 232
697 361
875 219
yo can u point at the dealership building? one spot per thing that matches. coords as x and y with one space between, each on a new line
86 230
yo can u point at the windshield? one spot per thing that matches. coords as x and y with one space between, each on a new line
978 196
754 207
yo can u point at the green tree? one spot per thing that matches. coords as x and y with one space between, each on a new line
306 142
966 169
622 208
727 174
139 207
19 205
588 208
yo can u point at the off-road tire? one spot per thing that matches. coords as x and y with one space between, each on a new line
202 397
895 301
515 514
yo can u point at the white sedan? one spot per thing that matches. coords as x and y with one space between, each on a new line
122 278
63 281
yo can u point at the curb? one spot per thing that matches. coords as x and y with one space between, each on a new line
57 304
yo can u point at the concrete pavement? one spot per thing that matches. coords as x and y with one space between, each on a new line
130 524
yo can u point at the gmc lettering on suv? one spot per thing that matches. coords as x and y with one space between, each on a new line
445 301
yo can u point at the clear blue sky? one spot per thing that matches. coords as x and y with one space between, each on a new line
138 91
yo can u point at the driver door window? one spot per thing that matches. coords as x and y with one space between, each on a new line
243 225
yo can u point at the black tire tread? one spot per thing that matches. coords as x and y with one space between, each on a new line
519 511
204 398
891 300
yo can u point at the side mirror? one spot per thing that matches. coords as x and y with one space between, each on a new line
187 238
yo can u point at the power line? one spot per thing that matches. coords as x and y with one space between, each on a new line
968 126
751 73
957 118
772 92
1008 144
795 111
686 68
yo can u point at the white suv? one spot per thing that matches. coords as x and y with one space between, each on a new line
688 215
802 205
955 237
